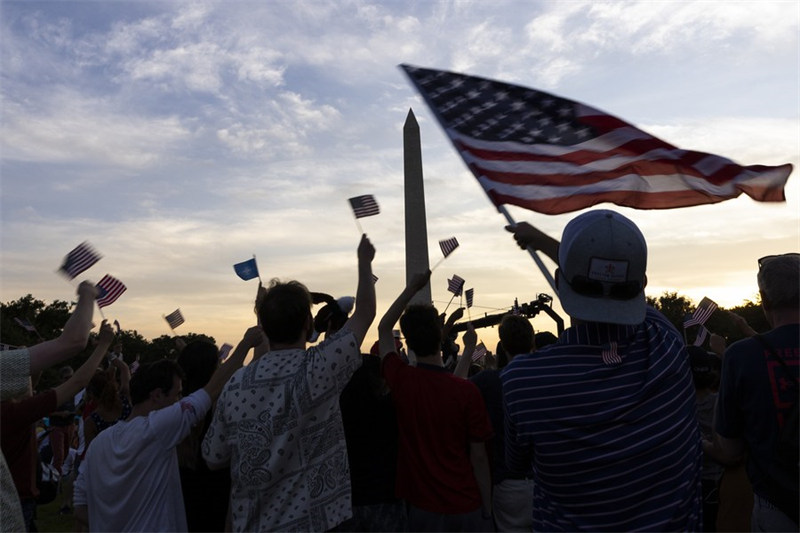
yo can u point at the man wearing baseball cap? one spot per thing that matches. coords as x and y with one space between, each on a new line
606 415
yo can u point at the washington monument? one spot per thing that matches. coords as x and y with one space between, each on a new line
416 226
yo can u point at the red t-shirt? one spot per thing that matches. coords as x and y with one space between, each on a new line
18 438
438 416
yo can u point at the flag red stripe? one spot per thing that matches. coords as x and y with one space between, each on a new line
640 200
580 171
578 156
516 140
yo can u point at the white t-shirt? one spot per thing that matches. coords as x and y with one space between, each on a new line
129 479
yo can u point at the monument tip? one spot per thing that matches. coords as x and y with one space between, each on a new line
411 120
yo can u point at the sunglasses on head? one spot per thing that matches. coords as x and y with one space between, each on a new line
592 288
767 258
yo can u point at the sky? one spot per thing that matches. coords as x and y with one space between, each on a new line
179 138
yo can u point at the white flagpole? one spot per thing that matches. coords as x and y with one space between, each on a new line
534 255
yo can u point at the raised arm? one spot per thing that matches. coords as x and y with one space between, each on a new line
124 376
528 236
253 337
454 317
74 336
81 377
386 325
362 317
470 340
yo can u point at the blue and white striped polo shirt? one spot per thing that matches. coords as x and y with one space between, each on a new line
607 415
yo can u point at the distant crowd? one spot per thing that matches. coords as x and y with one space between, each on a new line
614 425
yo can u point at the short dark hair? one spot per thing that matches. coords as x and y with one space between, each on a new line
420 327
779 281
543 338
199 360
516 334
284 310
152 376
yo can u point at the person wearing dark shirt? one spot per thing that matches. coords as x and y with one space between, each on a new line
759 393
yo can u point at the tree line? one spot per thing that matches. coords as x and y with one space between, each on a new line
49 318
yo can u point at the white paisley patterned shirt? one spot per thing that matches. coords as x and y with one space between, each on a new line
279 426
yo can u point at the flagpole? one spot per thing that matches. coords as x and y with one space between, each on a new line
258 274
170 327
360 229
448 303
534 255
437 264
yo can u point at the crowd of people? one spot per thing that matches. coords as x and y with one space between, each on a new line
614 425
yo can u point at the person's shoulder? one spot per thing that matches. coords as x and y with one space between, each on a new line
743 348
342 341
486 376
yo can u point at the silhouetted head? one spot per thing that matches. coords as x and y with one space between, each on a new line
285 312
198 360
420 327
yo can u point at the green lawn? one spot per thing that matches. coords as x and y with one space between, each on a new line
48 519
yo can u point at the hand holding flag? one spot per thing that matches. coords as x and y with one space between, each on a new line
553 155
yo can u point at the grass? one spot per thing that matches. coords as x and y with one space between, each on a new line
48 519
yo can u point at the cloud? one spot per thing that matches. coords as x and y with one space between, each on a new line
66 126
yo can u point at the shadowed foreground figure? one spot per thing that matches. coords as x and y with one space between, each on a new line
278 424
607 412
758 399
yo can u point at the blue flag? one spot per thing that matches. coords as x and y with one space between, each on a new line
247 269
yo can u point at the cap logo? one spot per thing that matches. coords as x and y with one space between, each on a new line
608 270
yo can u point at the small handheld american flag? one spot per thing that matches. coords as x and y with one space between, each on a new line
479 353
364 206
704 310
448 245
174 319
109 289
455 285
469 293
79 260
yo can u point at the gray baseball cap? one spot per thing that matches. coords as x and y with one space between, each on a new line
602 262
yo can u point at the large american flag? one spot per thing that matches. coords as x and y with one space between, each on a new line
109 289
553 155
79 259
